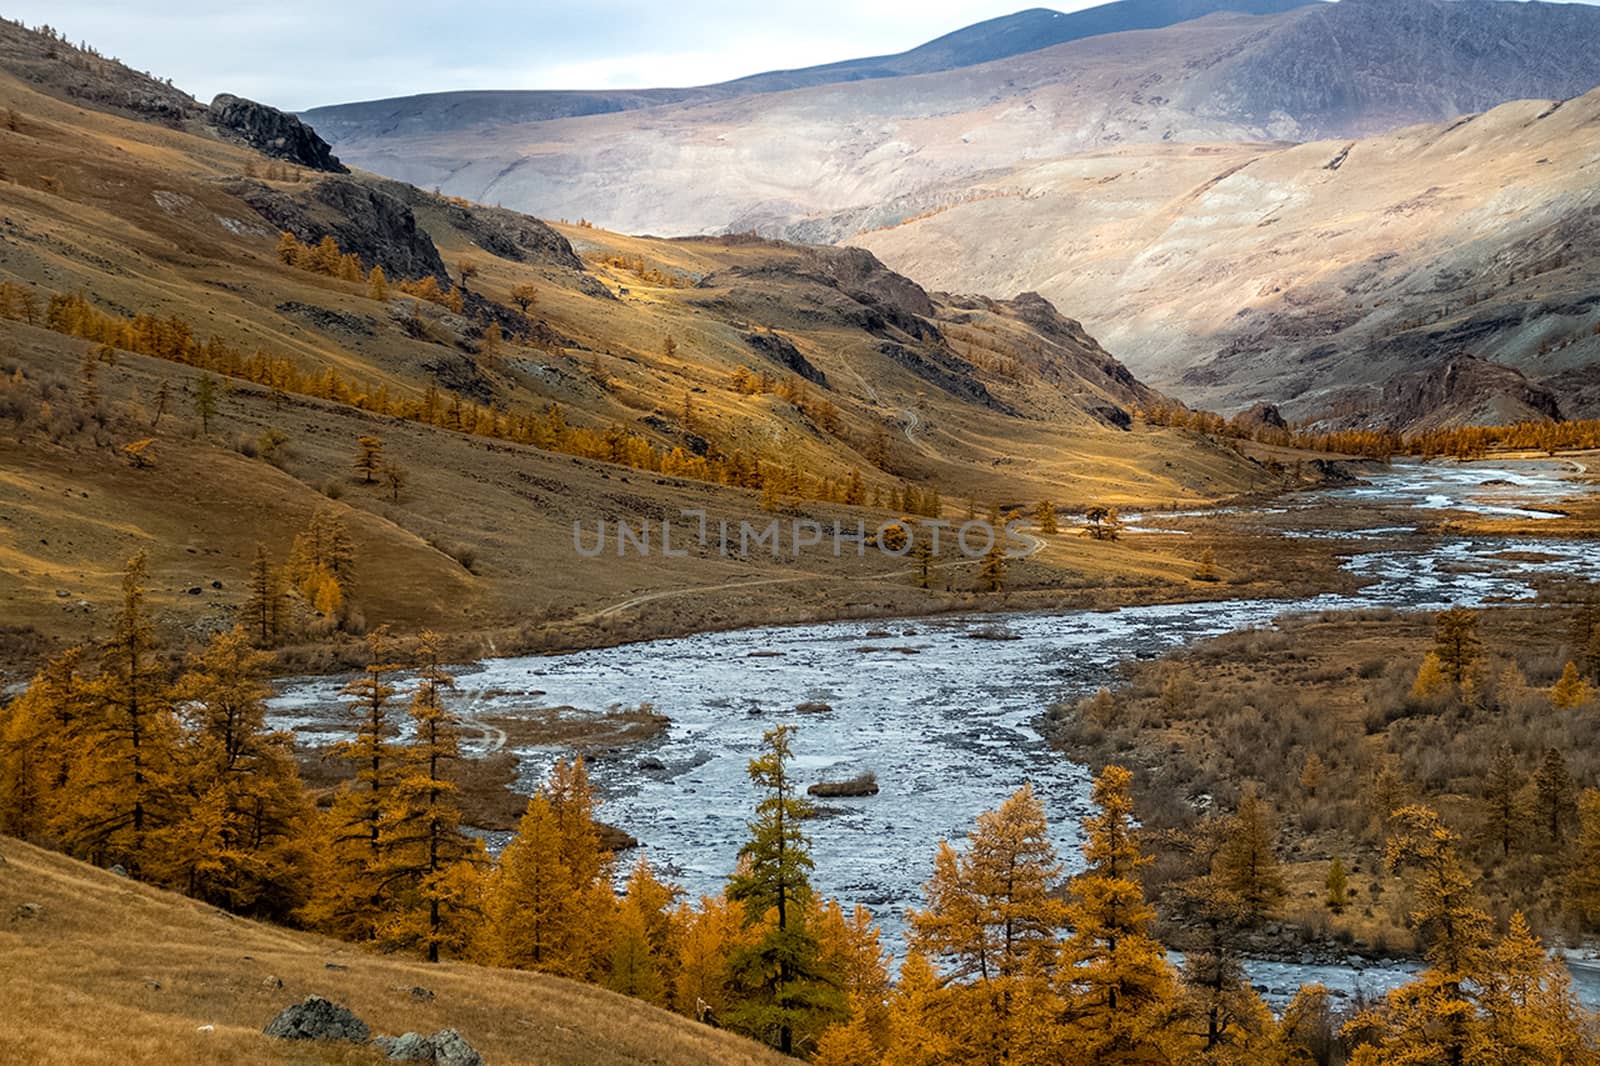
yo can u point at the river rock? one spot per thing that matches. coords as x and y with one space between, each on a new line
315 1018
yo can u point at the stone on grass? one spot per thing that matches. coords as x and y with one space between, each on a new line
315 1018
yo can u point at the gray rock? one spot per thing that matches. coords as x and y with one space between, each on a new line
315 1018
272 981
274 133
119 870
450 1049
407 1047
444 1048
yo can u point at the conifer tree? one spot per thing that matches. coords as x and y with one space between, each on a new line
239 839
1457 645
1045 517
530 897
992 573
422 850
524 295
1583 877
1571 690
1115 978
1430 678
378 285
346 897
1503 811
922 555
1554 790
41 733
369 458
641 941
1247 863
993 921
783 992
205 401
121 782
262 614
1338 886
707 938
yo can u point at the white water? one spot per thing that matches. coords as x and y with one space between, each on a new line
946 720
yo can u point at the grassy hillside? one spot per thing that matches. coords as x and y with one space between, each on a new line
102 969
636 340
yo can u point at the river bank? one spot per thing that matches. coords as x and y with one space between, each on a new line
947 720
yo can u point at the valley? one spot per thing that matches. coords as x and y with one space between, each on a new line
1072 544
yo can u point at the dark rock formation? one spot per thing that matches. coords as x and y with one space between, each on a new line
274 133
315 1018
364 220
1262 416
1464 391
508 234
780 351
944 370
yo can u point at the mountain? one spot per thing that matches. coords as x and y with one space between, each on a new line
642 377
822 162
103 968
1307 274
998 38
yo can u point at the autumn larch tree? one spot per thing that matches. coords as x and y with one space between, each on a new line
262 613
205 401
992 919
1554 791
1583 878
346 897
1571 690
1045 517
378 285
1247 863
369 458
1504 814
393 477
121 784
1118 986
239 841
781 986
1457 645
524 295
992 573
42 734
425 861
468 270
1214 921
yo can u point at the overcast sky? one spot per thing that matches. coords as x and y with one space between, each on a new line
297 54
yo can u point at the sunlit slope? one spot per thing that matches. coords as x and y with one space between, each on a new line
99 968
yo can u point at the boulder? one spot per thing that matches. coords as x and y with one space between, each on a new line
444 1048
315 1018
274 133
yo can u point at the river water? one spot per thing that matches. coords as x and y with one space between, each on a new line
945 715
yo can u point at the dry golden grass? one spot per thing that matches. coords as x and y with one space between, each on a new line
78 980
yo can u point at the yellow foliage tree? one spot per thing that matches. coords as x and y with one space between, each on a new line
1572 690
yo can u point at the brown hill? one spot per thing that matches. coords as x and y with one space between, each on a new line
101 969
980 399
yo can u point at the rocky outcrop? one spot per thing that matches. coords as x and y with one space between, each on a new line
376 226
274 133
54 66
315 1018
507 234
778 349
1465 391
1262 416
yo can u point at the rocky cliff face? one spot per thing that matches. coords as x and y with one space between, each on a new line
365 220
274 133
